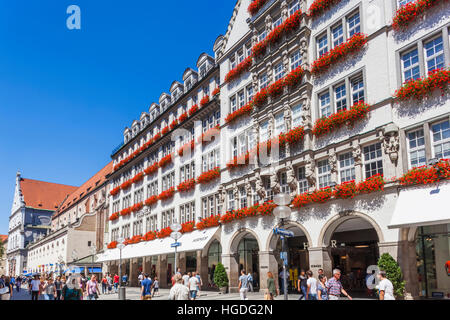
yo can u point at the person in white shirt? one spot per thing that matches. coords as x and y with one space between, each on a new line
193 286
179 291
36 288
385 287
186 279
311 290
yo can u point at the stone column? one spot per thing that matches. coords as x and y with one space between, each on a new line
181 261
232 269
202 267
161 271
407 262
133 276
267 262
319 258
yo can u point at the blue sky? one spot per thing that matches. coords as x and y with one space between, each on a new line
66 95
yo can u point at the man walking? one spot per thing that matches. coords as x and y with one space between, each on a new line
250 282
243 285
334 286
146 288
385 287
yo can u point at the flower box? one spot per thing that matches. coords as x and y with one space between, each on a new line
411 11
346 190
137 207
204 101
173 124
207 136
186 186
321 195
320 6
293 136
157 136
372 184
112 245
216 91
276 88
427 175
125 212
137 178
151 201
209 222
183 117
164 233
260 98
167 194
193 110
241 68
266 209
208 176
165 130
115 191
150 236
301 200
337 120
239 161
421 87
114 216
187 227
135 239
152 169
335 55
255 6
259 49
126 185
246 109
165 161
186 147
294 77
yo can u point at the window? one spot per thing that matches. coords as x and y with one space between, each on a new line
231 205
210 160
139 196
280 126
126 231
338 35
241 96
353 25
264 131
263 81
137 228
322 45
205 207
295 60
340 97
302 182
347 167
152 189
233 105
242 197
441 140
324 171
357 85
373 161
262 35
434 50
325 107
410 65
279 71
185 212
241 56
126 202
277 22
297 115
403 2
294 6
248 49
249 93
416 148
168 181
116 206
283 183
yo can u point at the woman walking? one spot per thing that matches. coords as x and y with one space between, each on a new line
35 287
271 289
72 291
49 289
58 288
104 284
6 287
92 288
322 293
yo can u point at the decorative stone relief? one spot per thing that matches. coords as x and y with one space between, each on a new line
310 172
271 127
259 185
306 112
287 117
332 160
274 183
304 52
268 23
391 143
292 180
356 153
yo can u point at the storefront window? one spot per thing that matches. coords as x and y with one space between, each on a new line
191 261
214 257
249 258
433 261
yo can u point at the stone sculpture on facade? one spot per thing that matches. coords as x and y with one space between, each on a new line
259 186
391 143
310 173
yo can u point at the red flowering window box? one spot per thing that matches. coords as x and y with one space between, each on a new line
164 233
115 191
335 55
187 227
167 194
186 186
138 177
152 169
276 88
346 190
165 130
135 239
337 120
126 185
186 147
427 175
137 207
320 6
157 136
372 184
165 161
193 109
255 6
208 176
321 195
241 68
259 49
207 136
209 222
240 161
112 245
301 200
150 236
294 77
411 11
183 117
260 98
114 216
246 109
266 209
173 124
421 87
151 201
216 91
204 101
125 212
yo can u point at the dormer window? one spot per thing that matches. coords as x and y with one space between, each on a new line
203 70
188 84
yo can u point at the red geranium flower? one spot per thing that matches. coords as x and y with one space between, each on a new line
209 176
165 161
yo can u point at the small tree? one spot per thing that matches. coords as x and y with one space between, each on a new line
393 272
220 276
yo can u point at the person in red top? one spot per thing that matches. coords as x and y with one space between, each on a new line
447 266
116 282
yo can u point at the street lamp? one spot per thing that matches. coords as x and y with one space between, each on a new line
283 212
176 235
120 246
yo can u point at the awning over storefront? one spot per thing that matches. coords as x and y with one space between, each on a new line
193 241
422 206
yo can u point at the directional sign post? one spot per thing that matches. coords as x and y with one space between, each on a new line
175 245
284 255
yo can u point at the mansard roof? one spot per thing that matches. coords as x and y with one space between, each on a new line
175 84
188 72
204 56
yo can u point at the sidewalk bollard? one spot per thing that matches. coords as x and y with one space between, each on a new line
122 293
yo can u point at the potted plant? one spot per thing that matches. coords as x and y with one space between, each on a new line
221 278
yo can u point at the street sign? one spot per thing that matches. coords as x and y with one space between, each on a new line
284 233
175 245
284 257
